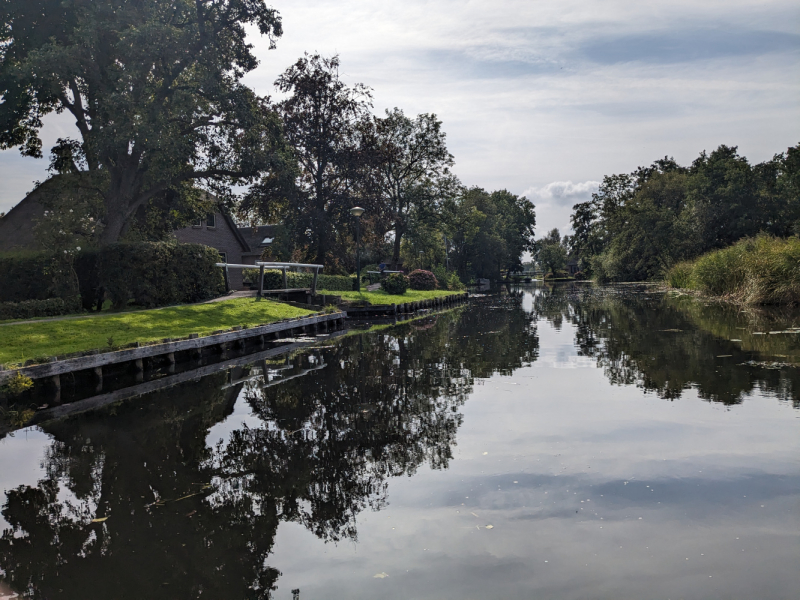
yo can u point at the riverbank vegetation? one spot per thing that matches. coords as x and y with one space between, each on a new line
760 270
33 340
301 163
639 225
384 297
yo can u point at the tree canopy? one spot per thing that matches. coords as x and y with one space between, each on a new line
154 87
638 225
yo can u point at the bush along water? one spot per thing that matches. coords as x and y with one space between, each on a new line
760 270
395 283
422 280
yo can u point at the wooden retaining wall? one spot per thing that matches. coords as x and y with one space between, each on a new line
167 350
355 312
94 402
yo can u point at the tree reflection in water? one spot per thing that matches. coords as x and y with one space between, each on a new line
185 519
667 345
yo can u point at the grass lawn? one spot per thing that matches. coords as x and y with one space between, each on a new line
22 341
381 297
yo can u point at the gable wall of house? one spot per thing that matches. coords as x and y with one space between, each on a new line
220 237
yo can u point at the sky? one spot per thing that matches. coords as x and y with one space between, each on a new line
545 97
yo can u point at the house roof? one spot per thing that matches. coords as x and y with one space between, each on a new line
257 236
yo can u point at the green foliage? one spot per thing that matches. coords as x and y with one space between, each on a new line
638 225
154 88
23 276
29 309
488 232
159 273
422 280
17 384
413 171
760 270
551 253
327 124
441 275
395 283
273 280
383 297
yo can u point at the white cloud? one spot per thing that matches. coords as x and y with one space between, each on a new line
577 88
554 203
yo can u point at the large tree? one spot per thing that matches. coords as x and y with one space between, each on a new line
412 159
329 128
154 87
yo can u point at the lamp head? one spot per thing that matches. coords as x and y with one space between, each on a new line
356 211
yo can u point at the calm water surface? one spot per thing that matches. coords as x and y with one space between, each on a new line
567 443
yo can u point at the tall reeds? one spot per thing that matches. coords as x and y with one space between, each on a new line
759 270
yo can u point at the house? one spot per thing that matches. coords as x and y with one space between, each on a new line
240 245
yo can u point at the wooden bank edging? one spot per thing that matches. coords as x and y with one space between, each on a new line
99 360
154 385
407 307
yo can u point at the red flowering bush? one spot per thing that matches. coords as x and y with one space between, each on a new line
422 280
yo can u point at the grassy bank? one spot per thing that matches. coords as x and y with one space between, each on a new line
760 270
381 297
23 341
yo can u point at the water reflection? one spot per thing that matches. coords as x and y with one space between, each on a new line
136 504
667 345
138 500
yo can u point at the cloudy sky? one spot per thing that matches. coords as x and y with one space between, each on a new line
544 97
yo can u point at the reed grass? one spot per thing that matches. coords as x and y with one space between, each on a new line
759 270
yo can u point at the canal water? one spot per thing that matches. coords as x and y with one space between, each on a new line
568 442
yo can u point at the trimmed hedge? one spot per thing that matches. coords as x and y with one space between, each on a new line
395 283
29 309
273 280
422 280
24 277
156 273
149 273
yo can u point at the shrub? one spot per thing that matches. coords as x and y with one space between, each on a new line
441 275
454 282
395 283
159 273
23 276
273 280
549 275
30 309
422 280
680 276
761 270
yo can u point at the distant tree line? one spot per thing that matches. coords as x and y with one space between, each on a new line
638 225
162 114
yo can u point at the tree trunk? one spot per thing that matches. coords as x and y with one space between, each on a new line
113 227
398 236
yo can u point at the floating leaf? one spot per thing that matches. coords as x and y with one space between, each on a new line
100 520
380 576
490 527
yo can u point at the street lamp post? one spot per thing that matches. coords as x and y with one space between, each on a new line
357 211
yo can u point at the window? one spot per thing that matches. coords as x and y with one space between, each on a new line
198 223
224 256
211 220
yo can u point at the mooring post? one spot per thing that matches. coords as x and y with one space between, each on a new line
98 378
314 282
285 284
261 281
56 379
227 280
